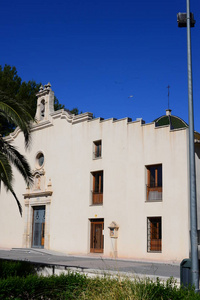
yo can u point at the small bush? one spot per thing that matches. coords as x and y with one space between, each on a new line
139 289
19 281
39 287
15 268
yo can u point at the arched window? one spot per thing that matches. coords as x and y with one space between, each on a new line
42 109
39 160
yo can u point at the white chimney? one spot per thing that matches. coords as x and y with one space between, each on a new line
168 112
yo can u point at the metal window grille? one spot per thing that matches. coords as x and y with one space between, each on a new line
97 192
154 183
154 234
154 193
97 149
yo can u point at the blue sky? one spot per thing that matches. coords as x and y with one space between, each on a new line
96 54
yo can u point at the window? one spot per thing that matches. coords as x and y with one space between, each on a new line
154 234
97 189
154 182
42 109
40 159
97 149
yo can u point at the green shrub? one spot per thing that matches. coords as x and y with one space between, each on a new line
15 268
76 286
138 289
39 287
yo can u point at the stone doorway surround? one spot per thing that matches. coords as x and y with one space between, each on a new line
34 198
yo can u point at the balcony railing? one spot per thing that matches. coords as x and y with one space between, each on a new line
97 154
154 192
97 197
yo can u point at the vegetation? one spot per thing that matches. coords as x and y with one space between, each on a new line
16 268
20 92
24 93
17 108
13 112
19 282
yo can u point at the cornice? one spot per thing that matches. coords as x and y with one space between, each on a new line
82 118
43 93
12 135
35 202
37 194
41 125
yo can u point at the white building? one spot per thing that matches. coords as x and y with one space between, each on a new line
114 187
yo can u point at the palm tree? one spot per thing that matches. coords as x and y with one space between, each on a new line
16 114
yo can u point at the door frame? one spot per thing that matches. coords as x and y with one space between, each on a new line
94 222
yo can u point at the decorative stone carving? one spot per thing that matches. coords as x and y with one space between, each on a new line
45 103
37 182
48 86
38 189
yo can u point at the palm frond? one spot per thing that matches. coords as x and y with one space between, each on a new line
17 114
16 158
18 203
6 176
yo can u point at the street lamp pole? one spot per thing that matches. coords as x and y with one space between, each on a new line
193 199
187 20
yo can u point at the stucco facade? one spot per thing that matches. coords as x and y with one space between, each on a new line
89 173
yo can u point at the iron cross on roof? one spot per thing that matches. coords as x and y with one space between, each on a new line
168 94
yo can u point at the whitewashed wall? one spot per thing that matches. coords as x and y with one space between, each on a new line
127 147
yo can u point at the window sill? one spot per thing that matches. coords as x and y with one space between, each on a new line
159 200
96 158
154 251
96 204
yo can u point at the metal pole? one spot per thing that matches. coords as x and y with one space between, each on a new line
193 199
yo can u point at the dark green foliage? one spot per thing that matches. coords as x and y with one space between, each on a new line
33 287
15 114
75 111
57 105
27 95
23 92
10 82
17 109
15 268
24 285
